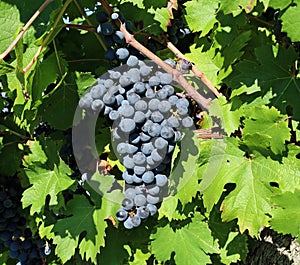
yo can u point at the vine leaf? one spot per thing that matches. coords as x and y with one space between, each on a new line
84 218
206 10
191 243
285 213
230 119
290 20
268 126
48 175
9 17
249 201
235 248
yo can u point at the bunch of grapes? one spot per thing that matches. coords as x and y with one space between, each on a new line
177 31
113 38
148 119
20 242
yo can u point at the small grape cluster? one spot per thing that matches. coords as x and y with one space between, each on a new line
148 119
113 37
20 242
177 31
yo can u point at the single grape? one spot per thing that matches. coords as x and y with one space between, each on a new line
132 61
126 111
7 203
154 81
148 177
40 243
137 179
127 177
14 246
114 115
160 143
122 148
139 87
98 91
171 148
156 157
182 111
101 16
154 130
166 79
124 81
140 189
173 99
127 204
108 83
107 110
118 37
14 254
177 136
187 122
139 170
161 180
127 125
154 191
129 193
162 94
115 75
134 138
141 105
121 215
140 200
109 99
47 250
143 212
147 126
153 104
185 65
145 70
133 97
22 257
144 137
134 74
147 148
156 116
180 33
110 54
152 209
150 93
26 244
5 236
136 220
171 62
139 117
173 121
119 99
128 162
86 101
122 54
167 132
107 28
114 16
152 199
97 105
131 149
109 41
128 223
150 163
164 106
139 158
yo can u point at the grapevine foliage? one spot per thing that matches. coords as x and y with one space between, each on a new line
58 204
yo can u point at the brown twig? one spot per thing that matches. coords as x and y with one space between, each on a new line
259 20
81 27
45 41
196 71
27 25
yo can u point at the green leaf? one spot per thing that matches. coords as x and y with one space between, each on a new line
58 108
280 4
249 201
230 119
161 15
204 60
235 248
200 15
10 24
191 243
183 184
5 67
140 258
285 213
269 126
45 182
37 154
84 218
84 80
291 22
